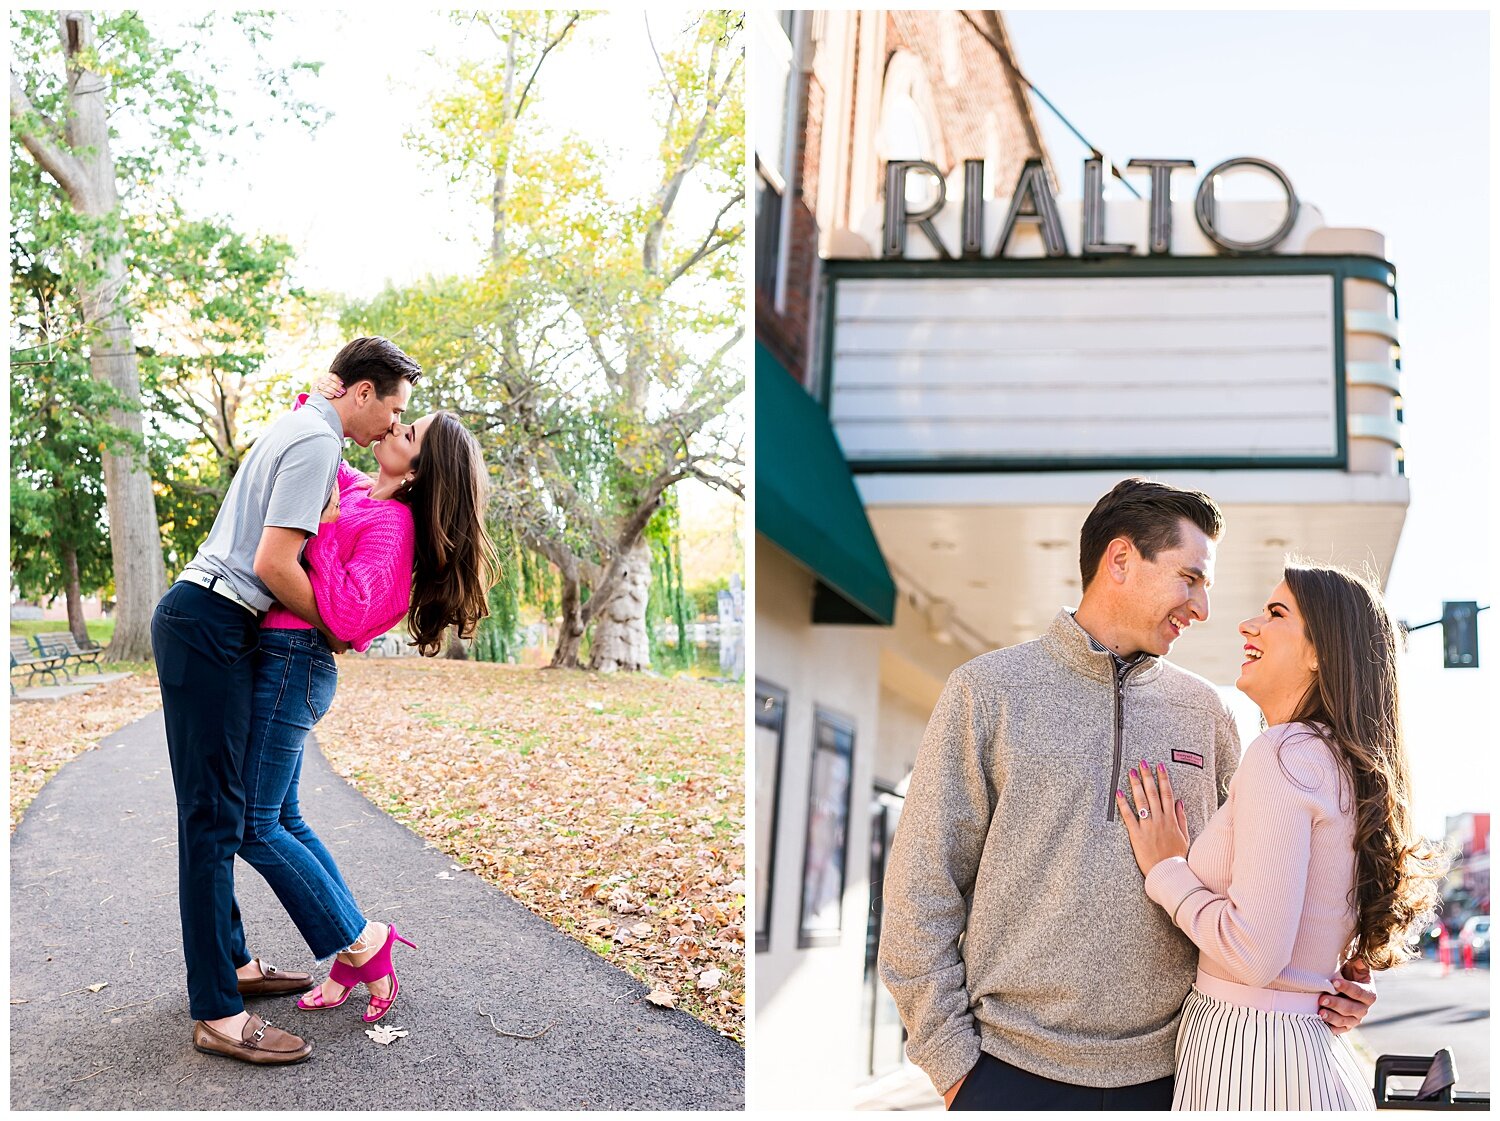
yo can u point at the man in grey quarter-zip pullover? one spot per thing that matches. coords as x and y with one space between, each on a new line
1030 969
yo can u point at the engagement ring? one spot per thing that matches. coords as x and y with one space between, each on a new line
1143 813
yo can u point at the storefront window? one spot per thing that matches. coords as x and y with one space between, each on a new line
767 232
823 868
770 722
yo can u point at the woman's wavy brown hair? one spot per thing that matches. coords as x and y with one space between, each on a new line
456 562
1354 693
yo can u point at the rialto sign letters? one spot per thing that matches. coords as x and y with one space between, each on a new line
1033 204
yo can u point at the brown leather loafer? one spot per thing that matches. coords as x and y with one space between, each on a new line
274 982
259 1043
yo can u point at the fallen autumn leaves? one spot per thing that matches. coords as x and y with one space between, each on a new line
612 806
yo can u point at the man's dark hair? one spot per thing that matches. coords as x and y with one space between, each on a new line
375 360
1150 515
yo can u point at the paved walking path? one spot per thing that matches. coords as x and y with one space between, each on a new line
77 684
94 899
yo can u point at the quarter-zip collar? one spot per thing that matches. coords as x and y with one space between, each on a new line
1075 648
1122 666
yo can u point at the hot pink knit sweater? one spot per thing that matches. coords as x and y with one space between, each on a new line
360 566
1264 892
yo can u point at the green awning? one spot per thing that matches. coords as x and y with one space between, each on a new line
806 503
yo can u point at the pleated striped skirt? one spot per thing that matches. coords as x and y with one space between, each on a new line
1233 1056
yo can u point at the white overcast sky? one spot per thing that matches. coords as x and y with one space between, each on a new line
358 205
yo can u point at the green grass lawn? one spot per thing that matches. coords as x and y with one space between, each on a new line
100 630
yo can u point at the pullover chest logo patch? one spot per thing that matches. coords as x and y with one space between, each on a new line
1191 758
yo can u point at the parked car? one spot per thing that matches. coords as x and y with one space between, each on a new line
1476 936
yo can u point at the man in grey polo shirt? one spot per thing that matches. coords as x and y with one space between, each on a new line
204 635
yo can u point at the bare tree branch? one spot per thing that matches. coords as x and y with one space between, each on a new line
712 242
737 489
666 195
53 158
596 344
665 80
561 35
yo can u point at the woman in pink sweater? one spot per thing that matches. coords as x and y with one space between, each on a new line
410 543
1311 861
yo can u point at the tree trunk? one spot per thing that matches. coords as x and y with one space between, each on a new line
134 533
85 170
455 650
570 633
76 623
620 638
502 173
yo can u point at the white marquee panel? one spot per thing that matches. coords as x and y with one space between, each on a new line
1085 368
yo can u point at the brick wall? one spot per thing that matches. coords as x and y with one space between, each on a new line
787 334
978 90
981 89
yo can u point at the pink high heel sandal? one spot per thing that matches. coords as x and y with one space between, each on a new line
377 968
339 974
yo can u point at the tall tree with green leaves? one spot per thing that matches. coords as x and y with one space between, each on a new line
76 78
663 320
58 542
215 295
58 537
208 297
595 353
477 130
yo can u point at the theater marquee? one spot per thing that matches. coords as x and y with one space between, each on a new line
1032 204
1034 334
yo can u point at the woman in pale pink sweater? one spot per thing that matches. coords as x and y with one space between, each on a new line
411 542
1311 861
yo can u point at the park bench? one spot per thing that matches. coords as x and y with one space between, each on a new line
65 645
386 646
23 657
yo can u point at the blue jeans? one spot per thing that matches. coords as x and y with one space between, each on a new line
205 656
295 678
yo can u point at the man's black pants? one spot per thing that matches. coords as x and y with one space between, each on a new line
994 1084
205 660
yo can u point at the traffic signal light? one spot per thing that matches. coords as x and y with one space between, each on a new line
1460 635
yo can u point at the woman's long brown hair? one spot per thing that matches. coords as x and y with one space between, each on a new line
1355 695
456 562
